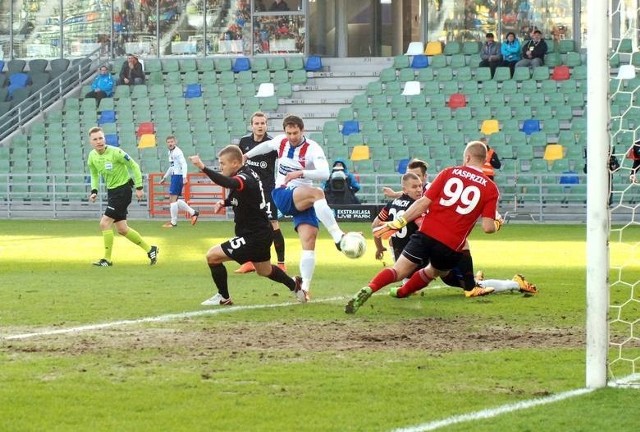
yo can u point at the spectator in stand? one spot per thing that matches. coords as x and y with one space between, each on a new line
492 162
510 50
533 51
490 54
131 72
279 5
102 86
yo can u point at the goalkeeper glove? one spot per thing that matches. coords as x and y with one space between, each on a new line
499 223
390 228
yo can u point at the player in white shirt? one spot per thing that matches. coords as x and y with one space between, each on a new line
301 161
177 171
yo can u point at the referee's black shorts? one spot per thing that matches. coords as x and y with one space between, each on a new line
118 200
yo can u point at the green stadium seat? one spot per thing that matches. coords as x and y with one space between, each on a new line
521 74
205 64
223 64
541 73
277 63
152 65
457 61
400 61
502 74
295 63
188 65
425 75
471 47
573 59
452 47
298 76
437 62
259 64
483 74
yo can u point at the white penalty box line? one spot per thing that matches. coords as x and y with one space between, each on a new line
159 318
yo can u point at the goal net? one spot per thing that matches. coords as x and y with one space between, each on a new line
623 317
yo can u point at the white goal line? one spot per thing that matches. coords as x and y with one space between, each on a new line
494 412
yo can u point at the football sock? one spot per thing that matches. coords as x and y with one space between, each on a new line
182 205
173 210
417 281
325 214
465 265
383 278
107 236
134 237
307 265
500 285
219 276
278 244
277 275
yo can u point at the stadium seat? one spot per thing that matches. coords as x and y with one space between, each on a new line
193 91
145 128
415 48
626 71
411 88
530 126
107 116
147 140
350 127
561 73
295 63
112 140
457 100
433 48
489 127
266 90
400 61
313 64
419 61
17 80
241 64
438 61
360 152
471 47
451 48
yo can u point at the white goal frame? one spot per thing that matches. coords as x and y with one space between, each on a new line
598 220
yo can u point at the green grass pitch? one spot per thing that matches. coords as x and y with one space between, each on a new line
271 364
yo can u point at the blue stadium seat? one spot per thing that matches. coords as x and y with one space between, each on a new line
313 64
530 126
420 61
241 64
350 127
193 91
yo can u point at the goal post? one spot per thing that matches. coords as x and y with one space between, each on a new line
598 147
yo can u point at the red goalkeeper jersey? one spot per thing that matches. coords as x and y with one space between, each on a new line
459 196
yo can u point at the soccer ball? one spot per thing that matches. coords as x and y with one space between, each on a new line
353 245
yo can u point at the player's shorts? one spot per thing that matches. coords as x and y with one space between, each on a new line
423 250
175 188
283 197
255 247
118 199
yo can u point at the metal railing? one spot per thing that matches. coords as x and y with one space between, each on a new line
65 196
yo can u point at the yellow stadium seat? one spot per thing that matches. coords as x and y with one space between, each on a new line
433 48
147 141
553 152
360 152
489 127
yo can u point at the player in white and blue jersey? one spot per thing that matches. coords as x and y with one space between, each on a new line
301 161
177 172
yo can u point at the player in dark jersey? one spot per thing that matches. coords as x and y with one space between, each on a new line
264 165
253 233
456 199
411 191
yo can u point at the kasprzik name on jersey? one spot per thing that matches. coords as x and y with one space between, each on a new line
469 175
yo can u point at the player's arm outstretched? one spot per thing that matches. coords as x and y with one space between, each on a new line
216 177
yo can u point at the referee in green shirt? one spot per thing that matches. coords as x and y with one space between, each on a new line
120 173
